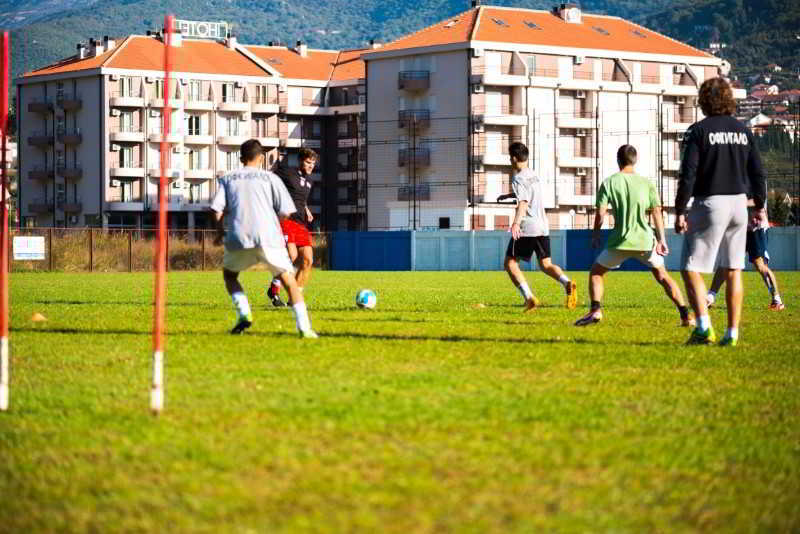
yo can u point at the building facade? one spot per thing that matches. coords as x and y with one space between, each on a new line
572 86
91 128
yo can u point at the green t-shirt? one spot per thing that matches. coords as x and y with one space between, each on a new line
631 197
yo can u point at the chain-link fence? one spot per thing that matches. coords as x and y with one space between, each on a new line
129 250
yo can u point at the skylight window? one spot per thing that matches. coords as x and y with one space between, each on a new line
532 25
500 22
601 31
451 23
637 33
275 61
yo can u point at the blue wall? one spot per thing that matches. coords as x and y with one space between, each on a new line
581 255
371 251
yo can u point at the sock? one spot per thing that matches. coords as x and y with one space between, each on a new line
712 296
301 319
684 311
768 283
776 298
596 305
704 322
525 291
274 287
732 333
563 279
241 304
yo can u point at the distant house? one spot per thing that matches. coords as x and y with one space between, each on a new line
774 67
776 100
759 123
766 88
792 95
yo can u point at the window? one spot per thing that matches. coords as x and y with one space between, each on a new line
444 223
532 25
231 126
232 160
126 157
260 127
451 23
159 88
343 193
342 127
195 90
126 121
228 92
530 61
59 158
193 125
126 86
195 193
194 159
601 31
637 33
500 22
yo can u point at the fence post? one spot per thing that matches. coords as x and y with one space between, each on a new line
203 249
130 251
91 250
50 248
166 256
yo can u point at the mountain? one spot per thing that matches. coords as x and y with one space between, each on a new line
16 13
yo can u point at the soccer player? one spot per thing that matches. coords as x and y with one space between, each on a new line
250 201
720 165
631 197
756 247
530 232
298 239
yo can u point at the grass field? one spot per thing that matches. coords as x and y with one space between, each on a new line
429 414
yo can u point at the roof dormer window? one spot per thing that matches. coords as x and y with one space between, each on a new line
532 25
451 23
637 33
601 31
500 22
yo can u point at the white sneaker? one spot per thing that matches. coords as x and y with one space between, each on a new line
710 300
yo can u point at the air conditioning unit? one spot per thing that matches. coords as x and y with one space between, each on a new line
680 69
177 185
580 133
282 118
680 137
184 81
477 88
477 126
148 79
115 148
680 100
580 94
578 60
73 219
115 113
114 77
186 185
477 52
580 209
155 113
580 172
282 88
244 118
477 166
176 150
115 183
238 85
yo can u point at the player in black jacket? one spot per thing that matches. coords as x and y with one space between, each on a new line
720 165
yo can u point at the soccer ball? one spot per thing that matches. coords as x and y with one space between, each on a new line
366 298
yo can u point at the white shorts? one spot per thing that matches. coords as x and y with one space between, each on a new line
612 258
717 234
276 259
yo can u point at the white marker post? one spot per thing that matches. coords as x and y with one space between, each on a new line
4 199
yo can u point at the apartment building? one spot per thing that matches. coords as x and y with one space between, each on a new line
572 86
90 127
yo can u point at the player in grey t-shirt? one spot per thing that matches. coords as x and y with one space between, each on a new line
250 201
530 232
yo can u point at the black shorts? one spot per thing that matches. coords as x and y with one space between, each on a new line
757 245
524 247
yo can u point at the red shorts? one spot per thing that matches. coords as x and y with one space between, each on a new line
296 233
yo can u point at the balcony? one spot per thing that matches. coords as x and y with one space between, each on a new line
69 102
40 207
40 106
269 139
410 192
41 174
171 173
127 134
311 102
196 137
581 120
514 74
70 173
198 174
127 171
671 164
126 100
679 120
291 142
174 103
68 136
650 79
40 139
414 80
417 157
500 115
582 75
234 106
417 118
192 104
231 139
73 207
156 135
265 105
580 159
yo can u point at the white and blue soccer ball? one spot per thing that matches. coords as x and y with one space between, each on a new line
366 298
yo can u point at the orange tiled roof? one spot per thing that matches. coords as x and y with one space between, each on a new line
550 30
317 65
349 65
73 64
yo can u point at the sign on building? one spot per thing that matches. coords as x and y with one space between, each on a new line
27 248
196 29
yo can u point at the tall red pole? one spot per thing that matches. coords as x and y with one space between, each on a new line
157 389
4 363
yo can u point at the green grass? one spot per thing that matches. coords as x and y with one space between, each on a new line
429 414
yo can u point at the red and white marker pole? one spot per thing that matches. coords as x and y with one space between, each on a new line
5 366
157 389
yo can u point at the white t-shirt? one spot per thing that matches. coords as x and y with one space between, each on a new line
527 187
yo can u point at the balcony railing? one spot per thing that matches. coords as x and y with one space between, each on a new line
40 206
40 106
40 173
74 172
497 110
40 139
411 192
545 73
577 115
420 118
650 79
312 102
511 70
414 80
420 157
686 116
69 136
583 75
269 99
69 102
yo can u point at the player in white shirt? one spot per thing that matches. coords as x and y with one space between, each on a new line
530 232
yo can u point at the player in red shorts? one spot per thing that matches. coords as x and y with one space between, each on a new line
295 228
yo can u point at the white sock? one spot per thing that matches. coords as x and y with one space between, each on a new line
712 296
776 298
563 279
525 290
241 304
276 282
301 319
732 333
704 322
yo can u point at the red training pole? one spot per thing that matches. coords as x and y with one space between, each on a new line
4 363
157 389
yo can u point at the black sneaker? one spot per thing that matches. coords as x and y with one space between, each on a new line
276 301
242 324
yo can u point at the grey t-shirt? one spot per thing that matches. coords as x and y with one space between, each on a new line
252 200
527 187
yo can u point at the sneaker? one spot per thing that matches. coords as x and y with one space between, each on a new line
776 306
572 295
242 324
700 337
531 304
592 317
728 341
689 321
276 301
710 301
308 334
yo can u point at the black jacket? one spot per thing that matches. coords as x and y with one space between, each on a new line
720 158
299 187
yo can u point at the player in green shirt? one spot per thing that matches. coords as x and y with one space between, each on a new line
631 197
